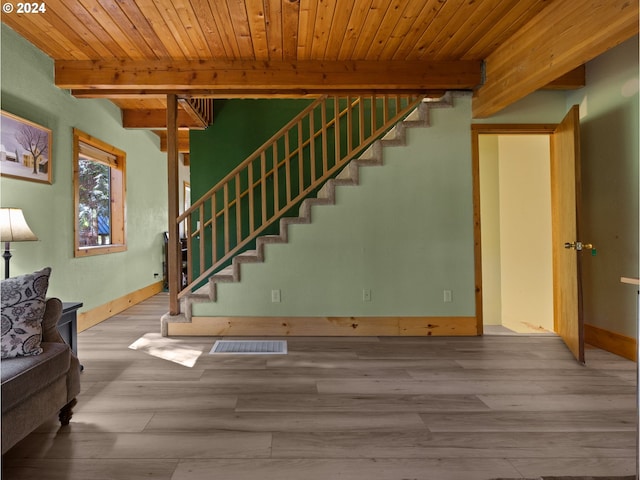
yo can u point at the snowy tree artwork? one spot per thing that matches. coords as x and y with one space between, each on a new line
25 149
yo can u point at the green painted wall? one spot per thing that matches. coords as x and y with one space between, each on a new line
28 91
609 147
406 233
239 128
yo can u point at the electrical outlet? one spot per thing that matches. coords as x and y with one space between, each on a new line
275 296
366 295
447 296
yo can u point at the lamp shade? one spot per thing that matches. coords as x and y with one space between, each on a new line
13 226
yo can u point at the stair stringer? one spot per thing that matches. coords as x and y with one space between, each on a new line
349 176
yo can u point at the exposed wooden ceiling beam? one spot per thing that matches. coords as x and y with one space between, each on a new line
248 76
119 94
576 78
226 94
156 118
183 140
563 36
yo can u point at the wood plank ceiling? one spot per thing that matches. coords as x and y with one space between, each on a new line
134 52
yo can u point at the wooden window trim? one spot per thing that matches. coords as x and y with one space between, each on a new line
118 196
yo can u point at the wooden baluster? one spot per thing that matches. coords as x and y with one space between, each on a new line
276 187
225 215
336 126
238 211
263 185
374 120
287 167
361 105
251 209
214 232
200 230
325 163
385 109
312 147
300 159
188 237
349 126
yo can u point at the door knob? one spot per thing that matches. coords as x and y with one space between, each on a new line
579 246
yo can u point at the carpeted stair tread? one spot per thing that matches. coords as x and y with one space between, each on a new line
225 273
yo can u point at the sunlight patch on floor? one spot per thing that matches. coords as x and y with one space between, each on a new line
165 348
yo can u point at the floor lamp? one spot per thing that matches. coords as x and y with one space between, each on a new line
13 228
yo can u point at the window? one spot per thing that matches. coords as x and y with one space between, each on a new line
99 196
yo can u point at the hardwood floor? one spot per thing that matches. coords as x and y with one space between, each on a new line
334 408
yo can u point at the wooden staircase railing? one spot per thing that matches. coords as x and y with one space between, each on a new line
200 109
297 160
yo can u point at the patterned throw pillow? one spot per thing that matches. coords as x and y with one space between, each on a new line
23 302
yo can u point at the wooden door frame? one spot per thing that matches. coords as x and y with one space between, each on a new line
478 129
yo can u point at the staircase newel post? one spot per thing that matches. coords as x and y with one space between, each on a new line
173 272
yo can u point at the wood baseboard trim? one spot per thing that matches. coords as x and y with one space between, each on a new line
326 326
611 341
99 314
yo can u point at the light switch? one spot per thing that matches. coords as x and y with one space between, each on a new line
366 295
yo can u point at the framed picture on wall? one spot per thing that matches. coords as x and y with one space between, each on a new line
25 149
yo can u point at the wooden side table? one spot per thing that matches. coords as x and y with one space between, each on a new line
68 324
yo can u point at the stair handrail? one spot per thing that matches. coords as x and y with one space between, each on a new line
241 166
232 181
